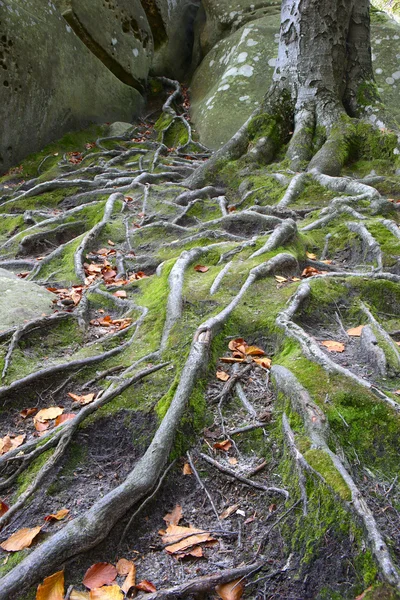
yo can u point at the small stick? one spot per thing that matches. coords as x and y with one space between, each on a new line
249 482
258 469
246 428
199 481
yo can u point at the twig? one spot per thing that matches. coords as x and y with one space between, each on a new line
199 481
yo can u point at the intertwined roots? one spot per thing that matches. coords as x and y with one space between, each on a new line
166 215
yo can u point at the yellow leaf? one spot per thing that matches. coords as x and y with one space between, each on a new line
311 255
107 592
20 539
180 538
52 587
75 595
61 514
333 346
280 279
82 399
254 351
47 414
230 591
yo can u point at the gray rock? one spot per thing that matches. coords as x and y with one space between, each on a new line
117 32
21 301
120 128
50 82
7 274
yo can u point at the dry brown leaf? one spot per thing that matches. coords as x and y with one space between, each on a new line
41 426
111 243
75 595
47 414
310 272
201 268
120 294
3 508
27 412
280 279
130 580
222 375
82 399
263 362
233 461
175 516
58 516
98 575
187 470
21 539
224 446
179 539
52 587
233 344
107 592
333 346
355 331
230 591
146 586
311 255
10 442
229 359
254 351
228 511
63 418
123 566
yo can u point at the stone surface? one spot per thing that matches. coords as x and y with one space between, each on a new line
50 83
119 128
22 301
115 31
236 73
172 24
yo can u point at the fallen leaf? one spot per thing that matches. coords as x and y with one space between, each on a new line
47 414
180 539
10 442
254 351
41 426
82 399
310 272
52 587
201 268
365 592
311 255
130 579
107 592
355 331
21 539
222 375
280 279
111 243
225 445
58 516
3 508
333 346
233 460
123 566
230 591
98 575
229 359
27 412
120 294
272 508
146 586
75 595
187 470
63 418
174 517
228 511
263 362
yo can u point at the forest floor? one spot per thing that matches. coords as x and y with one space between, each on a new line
169 297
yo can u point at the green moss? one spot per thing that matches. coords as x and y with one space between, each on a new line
323 464
26 478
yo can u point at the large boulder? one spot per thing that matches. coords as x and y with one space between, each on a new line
21 301
234 76
117 32
50 82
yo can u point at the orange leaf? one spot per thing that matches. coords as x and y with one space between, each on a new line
82 399
174 517
310 272
41 426
263 362
27 412
63 418
9 443
201 268
52 587
355 331
230 591
225 445
333 346
61 514
179 539
146 586
222 376
228 511
47 414
3 508
107 592
234 344
187 469
120 294
254 351
20 539
130 579
98 575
